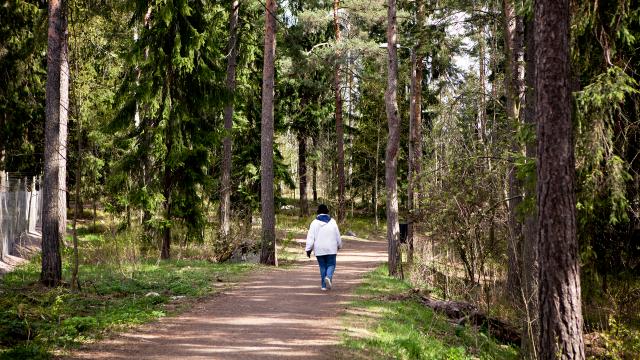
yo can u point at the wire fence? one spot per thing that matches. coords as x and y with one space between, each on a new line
20 210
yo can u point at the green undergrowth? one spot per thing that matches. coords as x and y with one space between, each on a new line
36 321
384 324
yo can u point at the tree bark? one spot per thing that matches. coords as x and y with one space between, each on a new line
339 126
165 252
412 160
169 133
314 171
376 183
3 185
54 210
147 230
75 282
225 181
391 156
302 174
559 272
529 349
513 89
77 208
483 103
3 120
268 254
415 129
415 148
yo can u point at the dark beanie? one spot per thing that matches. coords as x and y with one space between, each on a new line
323 209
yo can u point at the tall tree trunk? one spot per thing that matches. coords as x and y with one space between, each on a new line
225 182
3 120
415 129
75 282
339 126
147 230
482 134
302 173
493 65
3 185
268 255
77 209
513 88
350 73
54 210
559 293
529 349
165 252
376 182
169 134
391 156
414 146
314 170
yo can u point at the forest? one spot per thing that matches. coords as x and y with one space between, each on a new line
492 146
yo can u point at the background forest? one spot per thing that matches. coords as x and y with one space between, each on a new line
165 116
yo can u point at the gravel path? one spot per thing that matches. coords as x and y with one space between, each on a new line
273 314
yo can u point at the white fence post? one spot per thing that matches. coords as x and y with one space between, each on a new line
20 207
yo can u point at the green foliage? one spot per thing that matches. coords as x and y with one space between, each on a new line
173 85
148 111
620 341
603 173
27 351
95 71
22 93
384 324
604 169
35 319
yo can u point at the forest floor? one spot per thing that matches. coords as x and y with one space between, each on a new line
271 314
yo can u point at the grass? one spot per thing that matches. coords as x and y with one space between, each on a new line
36 321
121 288
381 324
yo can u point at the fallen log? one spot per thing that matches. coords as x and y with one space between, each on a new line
462 313
453 309
499 329
466 313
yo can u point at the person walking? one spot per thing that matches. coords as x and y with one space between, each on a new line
324 239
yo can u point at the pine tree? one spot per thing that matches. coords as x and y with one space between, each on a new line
393 142
268 254
337 84
560 311
177 89
54 206
225 183
514 91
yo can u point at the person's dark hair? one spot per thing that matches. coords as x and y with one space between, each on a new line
322 209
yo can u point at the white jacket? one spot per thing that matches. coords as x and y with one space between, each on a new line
323 238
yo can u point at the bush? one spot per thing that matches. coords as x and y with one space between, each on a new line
13 329
26 352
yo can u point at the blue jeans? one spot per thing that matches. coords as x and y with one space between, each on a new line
327 265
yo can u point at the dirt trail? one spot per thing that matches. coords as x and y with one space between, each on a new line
274 314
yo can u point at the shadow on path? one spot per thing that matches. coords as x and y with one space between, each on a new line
273 314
